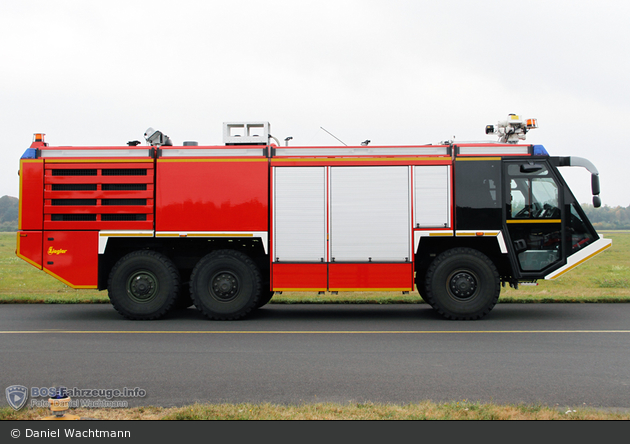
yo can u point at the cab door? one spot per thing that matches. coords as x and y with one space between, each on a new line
533 217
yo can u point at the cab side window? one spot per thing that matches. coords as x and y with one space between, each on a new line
533 195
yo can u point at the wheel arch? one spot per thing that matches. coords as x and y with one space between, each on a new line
184 252
431 247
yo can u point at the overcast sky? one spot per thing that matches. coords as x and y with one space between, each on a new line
393 71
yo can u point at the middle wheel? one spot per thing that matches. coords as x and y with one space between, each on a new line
225 284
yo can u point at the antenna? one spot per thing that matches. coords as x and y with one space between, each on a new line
333 135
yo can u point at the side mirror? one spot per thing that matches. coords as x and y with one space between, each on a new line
595 184
597 202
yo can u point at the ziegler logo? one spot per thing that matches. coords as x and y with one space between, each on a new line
52 251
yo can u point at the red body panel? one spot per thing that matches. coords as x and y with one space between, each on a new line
212 195
179 192
288 277
29 247
72 257
31 194
342 277
368 276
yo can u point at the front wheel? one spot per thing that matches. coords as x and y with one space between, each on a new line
143 285
462 283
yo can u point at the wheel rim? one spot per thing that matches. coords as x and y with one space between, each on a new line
224 286
142 286
463 285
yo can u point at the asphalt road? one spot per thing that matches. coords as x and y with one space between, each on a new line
553 354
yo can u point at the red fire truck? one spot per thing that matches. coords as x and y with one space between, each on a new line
224 227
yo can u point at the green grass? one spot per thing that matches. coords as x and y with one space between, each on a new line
605 278
455 410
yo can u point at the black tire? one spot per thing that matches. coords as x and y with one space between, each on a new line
462 283
265 298
143 285
420 286
226 285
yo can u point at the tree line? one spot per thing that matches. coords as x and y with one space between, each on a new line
9 210
604 218
608 218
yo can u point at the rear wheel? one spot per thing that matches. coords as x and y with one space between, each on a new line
143 285
462 283
226 284
265 298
